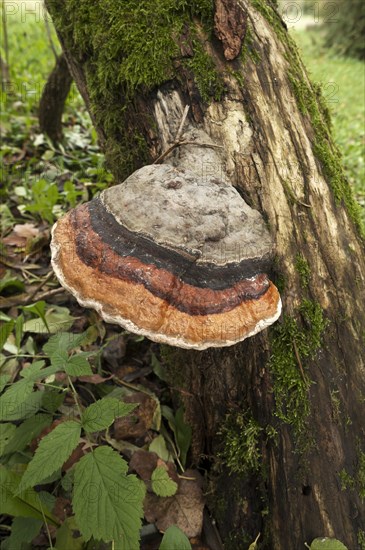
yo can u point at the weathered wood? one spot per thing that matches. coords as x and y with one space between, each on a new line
292 400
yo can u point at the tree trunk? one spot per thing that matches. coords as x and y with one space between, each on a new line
52 102
278 420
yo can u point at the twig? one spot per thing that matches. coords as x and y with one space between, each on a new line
299 362
45 523
183 119
185 142
38 287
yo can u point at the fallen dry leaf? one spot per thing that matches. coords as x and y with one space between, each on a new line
138 423
21 234
185 509
145 462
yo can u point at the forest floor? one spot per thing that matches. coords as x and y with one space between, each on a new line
40 182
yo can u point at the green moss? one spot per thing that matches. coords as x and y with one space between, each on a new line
208 81
310 102
355 482
248 47
302 267
129 48
292 343
361 539
241 435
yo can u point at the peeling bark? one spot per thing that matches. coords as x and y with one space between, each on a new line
230 26
264 145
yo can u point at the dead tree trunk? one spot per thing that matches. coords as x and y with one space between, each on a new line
279 419
52 102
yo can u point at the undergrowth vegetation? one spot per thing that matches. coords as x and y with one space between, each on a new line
91 450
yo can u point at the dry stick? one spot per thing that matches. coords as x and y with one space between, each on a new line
178 142
299 362
38 287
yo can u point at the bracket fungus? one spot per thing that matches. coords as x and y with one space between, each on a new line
174 257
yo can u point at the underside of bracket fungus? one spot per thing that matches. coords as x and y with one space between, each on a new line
174 257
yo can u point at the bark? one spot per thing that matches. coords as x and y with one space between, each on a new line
295 490
52 103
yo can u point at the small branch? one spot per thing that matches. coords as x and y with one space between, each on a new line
179 144
299 362
183 119
38 287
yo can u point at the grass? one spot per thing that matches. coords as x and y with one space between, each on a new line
343 84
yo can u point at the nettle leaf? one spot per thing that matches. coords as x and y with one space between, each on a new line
6 435
13 400
24 504
325 543
23 530
101 415
162 484
78 366
53 451
174 539
26 432
63 341
108 504
4 379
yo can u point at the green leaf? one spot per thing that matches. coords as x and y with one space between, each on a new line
158 446
10 285
108 503
65 539
101 415
53 451
52 400
25 504
78 366
5 331
56 318
63 341
23 530
324 543
174 539
12 402
162 484
26 432
4 379
182 434
6 435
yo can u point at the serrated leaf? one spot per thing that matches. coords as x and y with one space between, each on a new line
23 530
26 432
108 503
4 379
63 341
162 484
101 415
25 504
53 451
174 539
55 318
6 435
13 399
78 366
324 543
19 401
52 399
